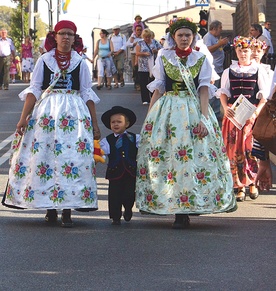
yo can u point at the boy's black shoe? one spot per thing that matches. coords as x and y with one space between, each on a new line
127 215
116 222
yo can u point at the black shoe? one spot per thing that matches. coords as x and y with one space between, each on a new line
66 220
116 222
99 87
182 221
127 215
51 216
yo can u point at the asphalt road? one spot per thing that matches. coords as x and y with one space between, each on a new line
234 251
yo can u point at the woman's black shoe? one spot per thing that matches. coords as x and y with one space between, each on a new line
66 220
182 221
51 216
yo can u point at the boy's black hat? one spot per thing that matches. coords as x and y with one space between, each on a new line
118 110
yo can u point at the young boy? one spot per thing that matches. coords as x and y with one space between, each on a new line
121 149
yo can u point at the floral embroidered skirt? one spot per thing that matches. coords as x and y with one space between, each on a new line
244 166
178 172
52 165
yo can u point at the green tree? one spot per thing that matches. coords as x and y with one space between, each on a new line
15 20
19 26
5 17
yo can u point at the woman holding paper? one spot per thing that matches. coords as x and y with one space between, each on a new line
244 77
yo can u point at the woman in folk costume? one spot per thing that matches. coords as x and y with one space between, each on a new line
248 78
52 166
182 166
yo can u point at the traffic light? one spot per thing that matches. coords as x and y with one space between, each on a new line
32 33
203 22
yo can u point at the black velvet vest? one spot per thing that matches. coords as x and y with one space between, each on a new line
70 82
121 160
246 85
171 84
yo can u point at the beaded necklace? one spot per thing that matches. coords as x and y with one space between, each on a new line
63 61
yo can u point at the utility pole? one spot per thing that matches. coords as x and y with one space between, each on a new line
50 14
58 9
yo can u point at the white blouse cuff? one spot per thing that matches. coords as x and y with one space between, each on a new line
23 95
157 84
89 94
261 94
223 91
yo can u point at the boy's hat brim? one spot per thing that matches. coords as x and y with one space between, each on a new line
117 110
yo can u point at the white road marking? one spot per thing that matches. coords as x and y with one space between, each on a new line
7 154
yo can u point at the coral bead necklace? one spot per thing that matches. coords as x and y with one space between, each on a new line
63 61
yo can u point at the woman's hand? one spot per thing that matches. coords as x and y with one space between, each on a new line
264 176
228 112
96 132
202 130
21 126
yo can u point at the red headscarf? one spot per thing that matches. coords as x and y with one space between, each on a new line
50 41
65 24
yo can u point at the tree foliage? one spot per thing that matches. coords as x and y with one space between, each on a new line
18 30
5 17
11 19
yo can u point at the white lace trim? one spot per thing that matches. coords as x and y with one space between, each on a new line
252 69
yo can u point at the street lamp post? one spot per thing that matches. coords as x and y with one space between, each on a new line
50 13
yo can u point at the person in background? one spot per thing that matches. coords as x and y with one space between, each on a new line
18 67
121 148
52 165
162 40
13 71
138 21
104 50
267 34
119 43
215 44
245 77
256 31
84 55
258 50
41 47
157 45
7 55
27 59
131 43
264 175
182 167
145 50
